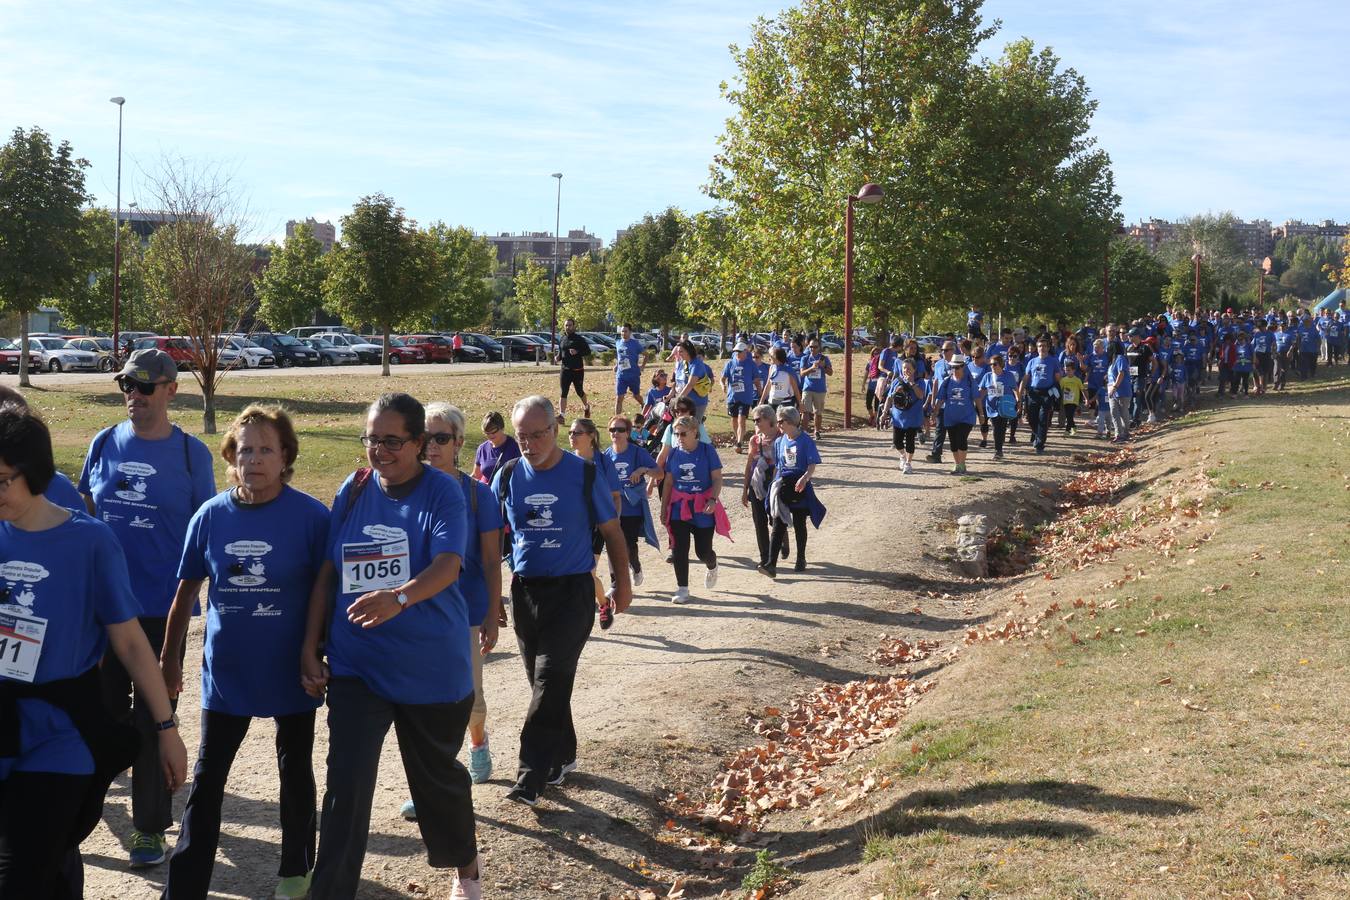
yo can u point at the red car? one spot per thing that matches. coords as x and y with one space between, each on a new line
436 348
10 356
402 353
179 349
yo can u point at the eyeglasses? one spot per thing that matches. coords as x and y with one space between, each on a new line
531 436
683 433
577 433
391 443
618 431
442 437
128 385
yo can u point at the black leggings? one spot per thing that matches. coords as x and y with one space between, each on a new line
1069 410
958 434
780 536
902 439
632 533
37 815
1000 428
702 537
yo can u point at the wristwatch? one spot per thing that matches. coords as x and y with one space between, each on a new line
171 722
402 598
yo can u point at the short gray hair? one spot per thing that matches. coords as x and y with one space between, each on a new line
450 415
760 411
792 414
526 405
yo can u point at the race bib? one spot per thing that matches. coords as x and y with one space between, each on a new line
790 457
738 387
625 364
374 566
21 639
996 390
1134 371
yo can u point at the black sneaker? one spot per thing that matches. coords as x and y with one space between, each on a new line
984 442
800 566
522 794
767 571
606 616
559 775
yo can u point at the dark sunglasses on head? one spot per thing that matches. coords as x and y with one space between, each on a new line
128 385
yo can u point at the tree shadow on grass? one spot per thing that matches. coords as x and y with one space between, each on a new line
230 405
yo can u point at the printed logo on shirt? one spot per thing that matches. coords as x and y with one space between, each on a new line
688 471
265 610
546 544
141 522
540 510
132 486
19 578
248 569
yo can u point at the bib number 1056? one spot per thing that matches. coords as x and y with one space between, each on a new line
374 566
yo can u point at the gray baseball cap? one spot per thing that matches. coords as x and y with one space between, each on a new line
149 366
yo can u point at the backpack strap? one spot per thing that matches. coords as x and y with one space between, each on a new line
96 451
359 483
508 468
472 488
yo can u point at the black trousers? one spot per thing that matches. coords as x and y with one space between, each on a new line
902 439
1069 410
37 814
1039 409
194 856
632 533
1000 429
760 516
939 437
702 538
799 517
429 738
553 618
151 800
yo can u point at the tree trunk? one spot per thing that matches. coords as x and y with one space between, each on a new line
722 347
208 410
23 350
384 371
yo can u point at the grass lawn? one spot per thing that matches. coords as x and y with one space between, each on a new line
1199 748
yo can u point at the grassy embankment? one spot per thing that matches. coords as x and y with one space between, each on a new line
1199 747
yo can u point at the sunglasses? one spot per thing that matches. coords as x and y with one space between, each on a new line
440 437
577 433
390 443
618 431
129 385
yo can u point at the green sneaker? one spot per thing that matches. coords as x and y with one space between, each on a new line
149 849
293 887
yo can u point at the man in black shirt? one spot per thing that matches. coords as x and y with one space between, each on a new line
572 352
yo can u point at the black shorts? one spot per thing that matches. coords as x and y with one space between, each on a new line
1264 365
570 378
958 434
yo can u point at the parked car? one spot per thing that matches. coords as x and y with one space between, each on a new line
101 347
58 355
331 354
648 340
524 347
251 356
179 350
286 349
10 357
369 353
434 347
600 341
491 347
305 332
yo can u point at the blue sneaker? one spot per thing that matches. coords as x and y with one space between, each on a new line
408 811
480 763
147 849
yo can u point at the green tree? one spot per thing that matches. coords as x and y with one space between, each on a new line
534 294
1180 289
1215 238
41 192
642 274
290 289
1138 279
581 292
89 301
384 270
464 294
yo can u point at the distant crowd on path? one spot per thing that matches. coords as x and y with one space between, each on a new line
384 604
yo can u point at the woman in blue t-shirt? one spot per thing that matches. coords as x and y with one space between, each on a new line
389 615
954 401
633 465
781 385
585 440
905 405
690 502
1017 369
66 596
260 545
792 497
999 395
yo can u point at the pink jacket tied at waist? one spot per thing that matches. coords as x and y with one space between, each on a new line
693 504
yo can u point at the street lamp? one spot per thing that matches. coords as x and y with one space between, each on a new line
117 234
869 193
1196 259
557 225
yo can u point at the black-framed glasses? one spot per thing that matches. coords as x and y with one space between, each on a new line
128 385
618 431
390 442
440 437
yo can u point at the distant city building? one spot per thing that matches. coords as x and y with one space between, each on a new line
1294 228
1151 234
145 222
1257 237
323 232
538 245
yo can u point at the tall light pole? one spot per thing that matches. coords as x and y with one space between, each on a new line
869 193
117 236
557 225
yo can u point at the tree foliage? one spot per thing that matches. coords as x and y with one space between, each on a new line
581 293
89 301
41 193
1180 289
384 270
1138 279
464 292
290 289
534 295
1215 238
642 274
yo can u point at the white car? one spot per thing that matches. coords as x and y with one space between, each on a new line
59 356
368 352
251 355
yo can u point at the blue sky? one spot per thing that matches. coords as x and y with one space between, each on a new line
461 110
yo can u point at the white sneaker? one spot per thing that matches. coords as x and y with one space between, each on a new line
681 595
907 469
710 578
637 578
466 888
1152 419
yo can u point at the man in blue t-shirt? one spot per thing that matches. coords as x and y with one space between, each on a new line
1040 382
627 368
815 365
145 478
742 384
552 596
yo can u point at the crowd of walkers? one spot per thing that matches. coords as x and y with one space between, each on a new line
384 605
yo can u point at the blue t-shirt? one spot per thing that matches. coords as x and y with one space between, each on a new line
1244 357
1096 372
1309 341
957 397
625 464
794 455
975 372
1194 352
1120 364
816 380
1178 369
261 561
1283 339
692 472
628 360
912 417
62 492
887 360
550 520
740 378
654 396
421 655
996 387
142 490
1040 373
75 577
472 577
974 317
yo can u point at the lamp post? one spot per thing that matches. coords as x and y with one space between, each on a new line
117 236
869 193
557 225
1196 259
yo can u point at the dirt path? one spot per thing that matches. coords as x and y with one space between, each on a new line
660 699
